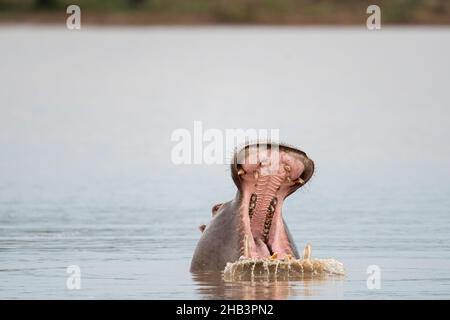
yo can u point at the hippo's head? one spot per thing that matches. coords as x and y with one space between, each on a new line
265 174
251 226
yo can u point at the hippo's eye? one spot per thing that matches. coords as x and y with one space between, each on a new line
216 207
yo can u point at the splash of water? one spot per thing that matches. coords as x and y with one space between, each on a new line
275 269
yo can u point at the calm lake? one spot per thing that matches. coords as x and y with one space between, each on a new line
87 179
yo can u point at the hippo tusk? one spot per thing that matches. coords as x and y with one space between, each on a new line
307 252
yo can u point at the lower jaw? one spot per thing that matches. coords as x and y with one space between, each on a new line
258 244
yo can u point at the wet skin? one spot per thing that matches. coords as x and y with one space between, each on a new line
252 225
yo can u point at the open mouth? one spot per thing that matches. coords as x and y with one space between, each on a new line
265 175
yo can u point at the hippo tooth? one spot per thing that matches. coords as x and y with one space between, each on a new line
300 181
287 168
307 252
246 246
241 172
274 256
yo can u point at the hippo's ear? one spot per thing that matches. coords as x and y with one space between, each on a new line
216 208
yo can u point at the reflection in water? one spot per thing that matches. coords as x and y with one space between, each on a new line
210 285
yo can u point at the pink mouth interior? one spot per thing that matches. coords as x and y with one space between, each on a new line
267 176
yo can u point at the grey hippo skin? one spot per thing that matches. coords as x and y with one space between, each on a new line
251 225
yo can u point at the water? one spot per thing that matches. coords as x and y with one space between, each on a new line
86 177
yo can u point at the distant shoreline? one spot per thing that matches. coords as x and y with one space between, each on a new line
146 18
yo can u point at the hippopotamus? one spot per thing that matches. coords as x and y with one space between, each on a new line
251 226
